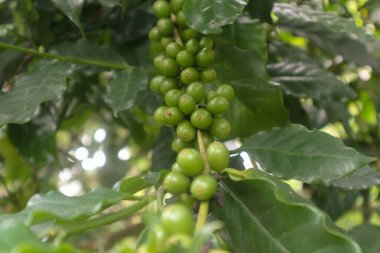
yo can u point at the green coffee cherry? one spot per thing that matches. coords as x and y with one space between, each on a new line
189 75
181 19
201 118
186 131
185 59
210 95
159 114
217 105
165 26
192 46
176 183
186 104
208 75
203 187
220 128
169 67
205 57
176 5
196 91
173 116
189 34
168 84
206 42
154 34
161 9
226 91
218 156
177 219
155 83
178 144
172 97
191 162
172 49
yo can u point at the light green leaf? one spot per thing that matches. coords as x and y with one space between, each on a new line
241 61
368 237
72 9
45 82
60 208
309 156
305 80
263 214
329 31
17 238
360 179
123 89
208 16
135 184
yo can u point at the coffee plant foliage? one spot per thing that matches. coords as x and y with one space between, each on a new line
189 126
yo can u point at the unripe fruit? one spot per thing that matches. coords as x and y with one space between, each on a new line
220 128
192 46
201 118
159 114
185 59
205 57
161 9
154 34
178 144
159 237
175 167
187 200
178 241
208 75
176 183
226 91
169 67
217 105
186 104
189 75
189 34
196 91
210 95
155 83
218 156
177 218
155 48
181 19
157 62
172 97
206 42
165 41
191 162
203 187
173 116
186 131
172 49
168 84
165 26
176 5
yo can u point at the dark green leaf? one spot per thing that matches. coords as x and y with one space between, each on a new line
360 179
72 9
90 52
135 184
261 9
45 82
208 16
368 237
263 214
304 80
330 32
60 208
309 156
123 89
241 62
163 156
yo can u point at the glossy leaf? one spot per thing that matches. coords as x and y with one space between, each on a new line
133 185
304 80
72 9
123 89
17 238
45 82
330 32
241 61
360 179
309 156
261 9
208 16
60 208
368 237
263 214
90 52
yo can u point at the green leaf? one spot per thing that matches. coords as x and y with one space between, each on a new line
241 61
261 9
17 238
202 236
45 82
208 16
72 9
60 208
163 156
90 52
263 214
123 89
368 237
304 80
135 184
309 156
360 179
329 31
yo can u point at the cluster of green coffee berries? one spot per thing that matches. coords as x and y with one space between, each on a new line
183 60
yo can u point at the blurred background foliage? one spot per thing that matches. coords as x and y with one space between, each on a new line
80 143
